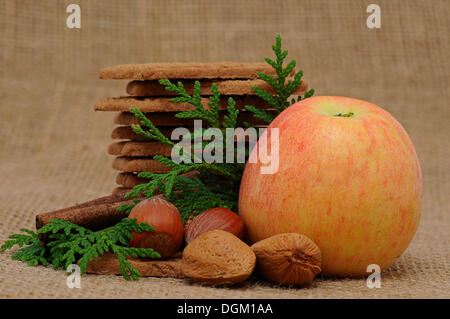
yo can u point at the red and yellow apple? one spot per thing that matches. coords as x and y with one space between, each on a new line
348 178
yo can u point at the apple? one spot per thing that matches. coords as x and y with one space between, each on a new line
348 178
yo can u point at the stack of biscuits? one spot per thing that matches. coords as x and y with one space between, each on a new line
134 153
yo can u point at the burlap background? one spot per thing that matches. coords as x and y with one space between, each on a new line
53 145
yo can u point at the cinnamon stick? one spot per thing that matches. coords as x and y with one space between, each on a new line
95 214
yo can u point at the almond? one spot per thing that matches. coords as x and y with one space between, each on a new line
217 257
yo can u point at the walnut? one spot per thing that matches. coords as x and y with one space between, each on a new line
217 257
291 259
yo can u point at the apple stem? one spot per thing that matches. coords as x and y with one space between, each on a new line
350 114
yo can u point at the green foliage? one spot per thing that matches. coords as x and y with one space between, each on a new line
190 195
69 243
283 88
230 120
152 132
260 114
193 195
211 115
31 249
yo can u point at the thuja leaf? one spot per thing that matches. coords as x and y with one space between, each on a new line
30 250
230 120
283 86
211 115
260 114
69 243
193 196
58 225
165 182
152 132
19 239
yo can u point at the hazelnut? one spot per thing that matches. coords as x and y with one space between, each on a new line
217 257
166 220
290 259
212 219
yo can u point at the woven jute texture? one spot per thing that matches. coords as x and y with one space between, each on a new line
53 145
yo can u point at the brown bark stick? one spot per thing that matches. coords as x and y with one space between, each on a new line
93 202
94 214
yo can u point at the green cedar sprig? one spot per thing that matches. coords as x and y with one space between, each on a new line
30 250
190 194
166 181
193 196
259 114
280 100
151 132
70 243
211 115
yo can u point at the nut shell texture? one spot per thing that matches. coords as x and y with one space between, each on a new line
165 218
212 219
290 259
216 258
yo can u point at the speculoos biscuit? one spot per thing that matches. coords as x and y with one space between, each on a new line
130 180
186 70
120 190
135 149
226 87
138 164
127 133
165 104
169 119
